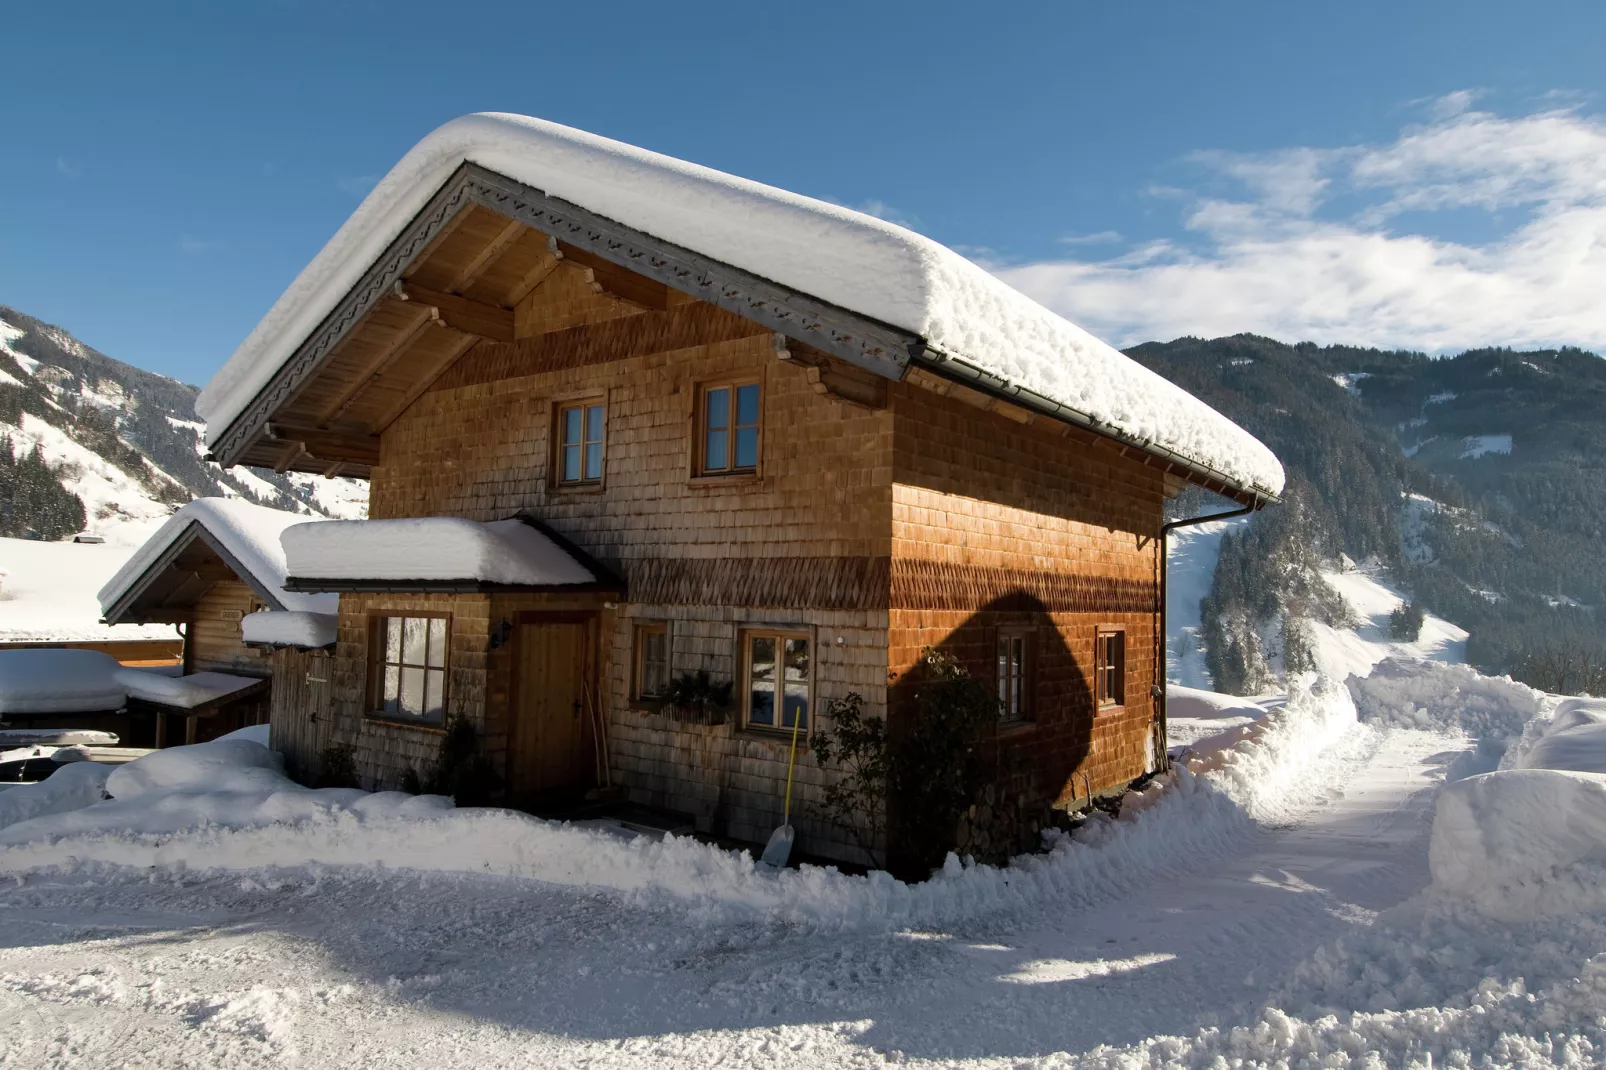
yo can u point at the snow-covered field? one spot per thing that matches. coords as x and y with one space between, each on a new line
50 587
1272 905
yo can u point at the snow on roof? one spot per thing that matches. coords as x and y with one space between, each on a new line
185 692
274 627
55 680
436 548
847 258
248 532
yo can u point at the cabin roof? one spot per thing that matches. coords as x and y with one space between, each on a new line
207 540
438 553
855 286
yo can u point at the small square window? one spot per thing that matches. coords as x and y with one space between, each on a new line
1109 667
1014 676
729 424
652 660
580 438
778 675
409 669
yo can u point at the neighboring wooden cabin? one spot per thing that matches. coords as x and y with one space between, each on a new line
216 569
755 481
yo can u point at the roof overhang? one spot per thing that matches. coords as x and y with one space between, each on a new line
184 571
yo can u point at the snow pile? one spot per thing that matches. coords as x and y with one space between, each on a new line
1429 694
430 548
1204 720
52 680
233 783
273 627
846 258
1288 766
249 533
71 787
1573 739
1520 843
185 692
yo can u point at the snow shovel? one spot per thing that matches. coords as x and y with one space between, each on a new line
779 848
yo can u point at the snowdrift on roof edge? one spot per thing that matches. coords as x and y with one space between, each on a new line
835 254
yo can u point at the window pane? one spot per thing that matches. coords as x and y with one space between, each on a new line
761 681
654 662
714 458
797 660
718 414
392 688
797 706
594 460
393 638
746 448
415 635
434 695
412 692
571 463
571 427
437 642
746 405
594 423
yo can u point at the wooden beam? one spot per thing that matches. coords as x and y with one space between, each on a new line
509 234
620 282
347 444
536 275
461 314
382 359
425 380
289 455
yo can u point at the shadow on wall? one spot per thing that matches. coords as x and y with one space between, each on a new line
1025 757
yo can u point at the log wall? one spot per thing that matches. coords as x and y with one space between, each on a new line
214 642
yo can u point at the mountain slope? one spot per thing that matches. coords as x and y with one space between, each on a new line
1477 482
124 442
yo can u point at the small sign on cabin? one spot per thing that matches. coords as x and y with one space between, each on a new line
233 614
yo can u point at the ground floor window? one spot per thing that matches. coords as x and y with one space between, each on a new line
652 660
1109 667
1014 676
778 672
409 678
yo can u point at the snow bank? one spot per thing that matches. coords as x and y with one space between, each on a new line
234 783
430 548
835 254
285 628
1291 764
51 680
1429 694
1519 843
250 533
74 785
1205 720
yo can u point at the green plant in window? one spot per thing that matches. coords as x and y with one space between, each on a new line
698 698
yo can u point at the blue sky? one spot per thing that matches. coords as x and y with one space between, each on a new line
1419 175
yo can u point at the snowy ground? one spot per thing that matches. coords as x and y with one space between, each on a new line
1191 557
1272 907
50 587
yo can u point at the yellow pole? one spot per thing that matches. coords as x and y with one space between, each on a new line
791 761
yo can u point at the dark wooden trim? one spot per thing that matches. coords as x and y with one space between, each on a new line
301 585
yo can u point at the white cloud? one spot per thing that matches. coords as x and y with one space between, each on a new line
1280 257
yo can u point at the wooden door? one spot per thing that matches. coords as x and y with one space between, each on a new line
550 733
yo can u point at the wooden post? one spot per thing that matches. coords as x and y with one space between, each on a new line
189 729
161 729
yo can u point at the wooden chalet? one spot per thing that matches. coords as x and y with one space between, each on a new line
753 479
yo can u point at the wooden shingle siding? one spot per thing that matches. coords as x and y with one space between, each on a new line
214 642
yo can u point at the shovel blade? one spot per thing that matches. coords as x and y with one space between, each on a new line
779 849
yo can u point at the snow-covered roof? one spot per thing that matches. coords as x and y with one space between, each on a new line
278 627
248 533
846 258
432 550
184 692
55 680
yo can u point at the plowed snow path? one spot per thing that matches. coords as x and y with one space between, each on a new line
101 969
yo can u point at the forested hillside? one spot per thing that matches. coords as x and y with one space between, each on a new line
90 442
1478 480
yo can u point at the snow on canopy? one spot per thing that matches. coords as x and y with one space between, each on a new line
248 532
272 627
430 548
840 256
54 680
183 692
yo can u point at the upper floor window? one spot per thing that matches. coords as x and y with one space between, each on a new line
1109 667
1014 676
409 669
580 438
777 674
729 422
